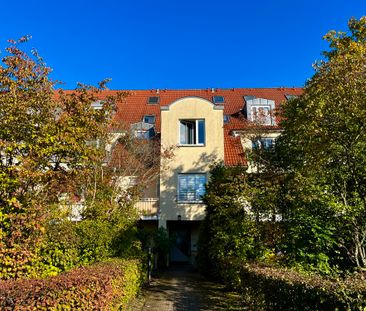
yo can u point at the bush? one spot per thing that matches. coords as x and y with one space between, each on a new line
69 244
275 288
104 286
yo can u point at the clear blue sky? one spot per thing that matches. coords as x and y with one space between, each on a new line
178 44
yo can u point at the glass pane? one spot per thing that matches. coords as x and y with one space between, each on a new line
201 131
200 185
267 143
149 119
218 99
183 133
191 132
265 115
254 113
249 97
255 144
153 100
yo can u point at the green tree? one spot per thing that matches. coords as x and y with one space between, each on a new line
323 152
231 226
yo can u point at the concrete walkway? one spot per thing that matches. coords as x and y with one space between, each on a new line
182 289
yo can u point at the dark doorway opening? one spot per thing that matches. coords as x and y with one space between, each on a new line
180 232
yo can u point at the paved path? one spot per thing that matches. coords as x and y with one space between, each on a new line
185 290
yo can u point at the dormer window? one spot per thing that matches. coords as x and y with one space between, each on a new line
260 110
218 99
153 100
149 119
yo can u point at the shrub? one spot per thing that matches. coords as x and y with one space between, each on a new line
104 286
231 226
274 288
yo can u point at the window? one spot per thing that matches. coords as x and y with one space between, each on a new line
218 99
249 97
260 110
191 187
192 132
226 118
263 143
149 119
153 100
261 114
290 96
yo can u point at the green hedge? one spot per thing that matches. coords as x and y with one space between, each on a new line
275 288
104 286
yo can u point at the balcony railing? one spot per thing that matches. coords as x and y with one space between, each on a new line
147 206
189 196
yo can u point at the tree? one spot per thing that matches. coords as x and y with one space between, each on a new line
43 151
323 149
58 152
232 227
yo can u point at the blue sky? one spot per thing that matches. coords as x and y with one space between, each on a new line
178 44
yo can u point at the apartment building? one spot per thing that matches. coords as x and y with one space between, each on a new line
203 126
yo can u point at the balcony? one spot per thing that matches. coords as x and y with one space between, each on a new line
148 208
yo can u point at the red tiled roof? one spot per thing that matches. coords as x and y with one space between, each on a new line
234 153
134 107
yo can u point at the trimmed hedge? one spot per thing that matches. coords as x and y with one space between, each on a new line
104 286
274 288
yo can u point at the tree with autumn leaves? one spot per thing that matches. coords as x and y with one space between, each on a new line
52 147
323 152
314 176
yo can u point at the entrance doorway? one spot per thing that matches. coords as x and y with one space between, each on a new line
180 232
184 235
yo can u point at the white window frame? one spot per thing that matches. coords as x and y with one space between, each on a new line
194 195
196 132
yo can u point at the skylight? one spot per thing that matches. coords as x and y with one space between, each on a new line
290 96
153 100
218 99
249 97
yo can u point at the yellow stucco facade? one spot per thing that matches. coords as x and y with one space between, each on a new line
188 158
